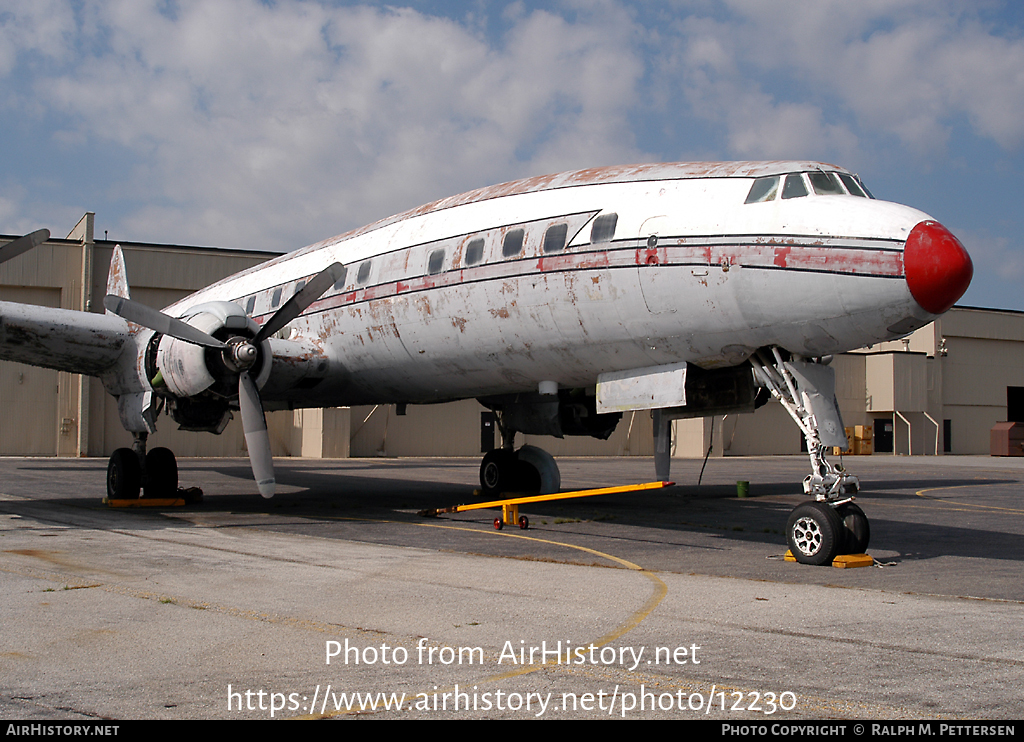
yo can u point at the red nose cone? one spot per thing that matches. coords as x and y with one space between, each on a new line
937 267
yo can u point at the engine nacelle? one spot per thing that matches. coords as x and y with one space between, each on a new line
187 370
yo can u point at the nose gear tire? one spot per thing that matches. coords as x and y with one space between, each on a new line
815 533
856 530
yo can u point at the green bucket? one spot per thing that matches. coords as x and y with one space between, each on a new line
742 488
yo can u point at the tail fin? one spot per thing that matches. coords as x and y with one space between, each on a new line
117 277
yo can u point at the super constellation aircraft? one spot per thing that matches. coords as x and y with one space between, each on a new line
558 302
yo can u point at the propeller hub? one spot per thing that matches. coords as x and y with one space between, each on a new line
241 354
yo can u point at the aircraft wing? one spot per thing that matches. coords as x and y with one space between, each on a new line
61 339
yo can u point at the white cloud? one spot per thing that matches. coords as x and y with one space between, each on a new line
274 125
776 73
994 255
42 28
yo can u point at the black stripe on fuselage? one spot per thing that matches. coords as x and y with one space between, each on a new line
616 255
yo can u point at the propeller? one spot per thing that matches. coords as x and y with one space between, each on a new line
23 244
239 354
154 319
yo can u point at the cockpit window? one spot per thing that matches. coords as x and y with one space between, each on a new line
826 184
859 183
851 185
764 189
795 187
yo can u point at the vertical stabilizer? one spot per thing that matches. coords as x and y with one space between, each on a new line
117 277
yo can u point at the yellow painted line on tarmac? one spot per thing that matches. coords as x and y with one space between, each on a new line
921 493
634 620
660 588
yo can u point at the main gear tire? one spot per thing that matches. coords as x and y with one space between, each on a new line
161 473
499 472
539 471
124 475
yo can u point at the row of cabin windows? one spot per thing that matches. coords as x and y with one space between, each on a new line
275 298
555 240
795 186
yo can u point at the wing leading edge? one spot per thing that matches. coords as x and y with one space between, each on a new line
61 339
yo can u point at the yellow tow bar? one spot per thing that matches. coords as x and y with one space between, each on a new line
510 507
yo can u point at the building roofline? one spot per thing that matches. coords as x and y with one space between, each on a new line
130 244
987 309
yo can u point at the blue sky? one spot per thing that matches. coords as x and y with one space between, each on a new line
272 125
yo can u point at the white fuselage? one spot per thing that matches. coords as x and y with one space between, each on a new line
691 274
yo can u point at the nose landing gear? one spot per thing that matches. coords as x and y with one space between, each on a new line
829 525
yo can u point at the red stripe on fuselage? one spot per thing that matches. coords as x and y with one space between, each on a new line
845 260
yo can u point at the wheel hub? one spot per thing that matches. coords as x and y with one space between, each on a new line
807 536
491 475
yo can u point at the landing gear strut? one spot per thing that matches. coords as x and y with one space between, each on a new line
820 529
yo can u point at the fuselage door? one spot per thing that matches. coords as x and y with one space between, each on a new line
655 281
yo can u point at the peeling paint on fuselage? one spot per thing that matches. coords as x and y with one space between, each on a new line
723 275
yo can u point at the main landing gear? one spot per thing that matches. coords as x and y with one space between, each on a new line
818 530
131 470
530 470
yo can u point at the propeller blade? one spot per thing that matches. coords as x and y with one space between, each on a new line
156 320
23 244
300 302
254 423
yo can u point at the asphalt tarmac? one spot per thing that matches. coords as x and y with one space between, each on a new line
672 603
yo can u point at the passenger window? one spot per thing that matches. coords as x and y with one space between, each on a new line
825 184
764 189
435 262
474 251
794 187
604 228
275 299
340 283
299 286
852 185
554 238
364 272
513 243
250 305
